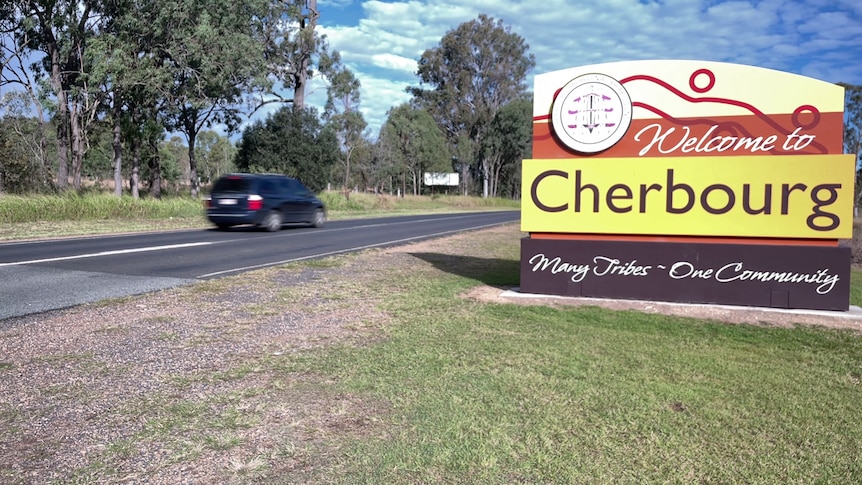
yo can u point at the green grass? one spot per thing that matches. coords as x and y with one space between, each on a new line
370 204
501 393
88 207
41 216
856 286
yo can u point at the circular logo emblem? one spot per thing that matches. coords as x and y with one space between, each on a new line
591 113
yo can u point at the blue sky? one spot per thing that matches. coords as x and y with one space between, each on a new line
380 41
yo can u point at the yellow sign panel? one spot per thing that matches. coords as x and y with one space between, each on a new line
795 196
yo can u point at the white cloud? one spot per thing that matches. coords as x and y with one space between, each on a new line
398 63
817 38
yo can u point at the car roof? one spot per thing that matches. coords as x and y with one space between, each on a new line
255 175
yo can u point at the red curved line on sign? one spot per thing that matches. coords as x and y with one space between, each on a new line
811 109
731 102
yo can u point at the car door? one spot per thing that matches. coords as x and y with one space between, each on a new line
290 206
305 201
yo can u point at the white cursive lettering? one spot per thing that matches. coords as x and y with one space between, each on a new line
670 141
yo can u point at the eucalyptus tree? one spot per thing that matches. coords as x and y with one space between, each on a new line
478 67
60 29
293 51
213 58
291 141
509 140
127 60
216 154
412 138
342 114
853 130
22 93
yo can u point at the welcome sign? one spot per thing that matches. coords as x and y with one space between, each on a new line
688 181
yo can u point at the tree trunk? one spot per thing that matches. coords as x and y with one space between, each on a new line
464 178
300 77
77 144
116 141
155 164
193 164
484 182
135 181
62 118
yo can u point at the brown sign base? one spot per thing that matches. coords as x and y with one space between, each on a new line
810 277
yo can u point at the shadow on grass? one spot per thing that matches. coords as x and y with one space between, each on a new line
496 272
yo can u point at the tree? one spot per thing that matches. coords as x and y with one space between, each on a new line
216 155
60 29
214 58
291 49
25 137
127 61
509 140
416 144
13 72
292 142
343 116
853 130
477 68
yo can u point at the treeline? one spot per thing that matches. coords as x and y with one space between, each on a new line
92 89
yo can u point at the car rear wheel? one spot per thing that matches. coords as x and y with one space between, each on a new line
319 218
272 221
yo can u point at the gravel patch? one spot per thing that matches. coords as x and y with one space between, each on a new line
178 386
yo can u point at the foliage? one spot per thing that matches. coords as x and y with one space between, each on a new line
94 206
215 155
291 142
95 212
177 65
217 57
23 149
508 142
853 130
342 115
291 49
477 68
414 144
376 204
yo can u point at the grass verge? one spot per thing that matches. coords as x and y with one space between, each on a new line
502 393
42 216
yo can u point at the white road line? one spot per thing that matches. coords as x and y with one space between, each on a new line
108 253
340 251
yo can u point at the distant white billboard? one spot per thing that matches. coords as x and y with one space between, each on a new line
444 179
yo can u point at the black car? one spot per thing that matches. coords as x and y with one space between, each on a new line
264 200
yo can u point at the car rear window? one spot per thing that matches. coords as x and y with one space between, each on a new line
232 184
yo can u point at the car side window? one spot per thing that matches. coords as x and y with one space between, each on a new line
284 186
293 187
298 189
267 187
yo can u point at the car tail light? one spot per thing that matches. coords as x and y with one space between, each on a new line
255 202
208 203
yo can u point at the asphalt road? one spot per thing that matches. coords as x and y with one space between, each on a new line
48 275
